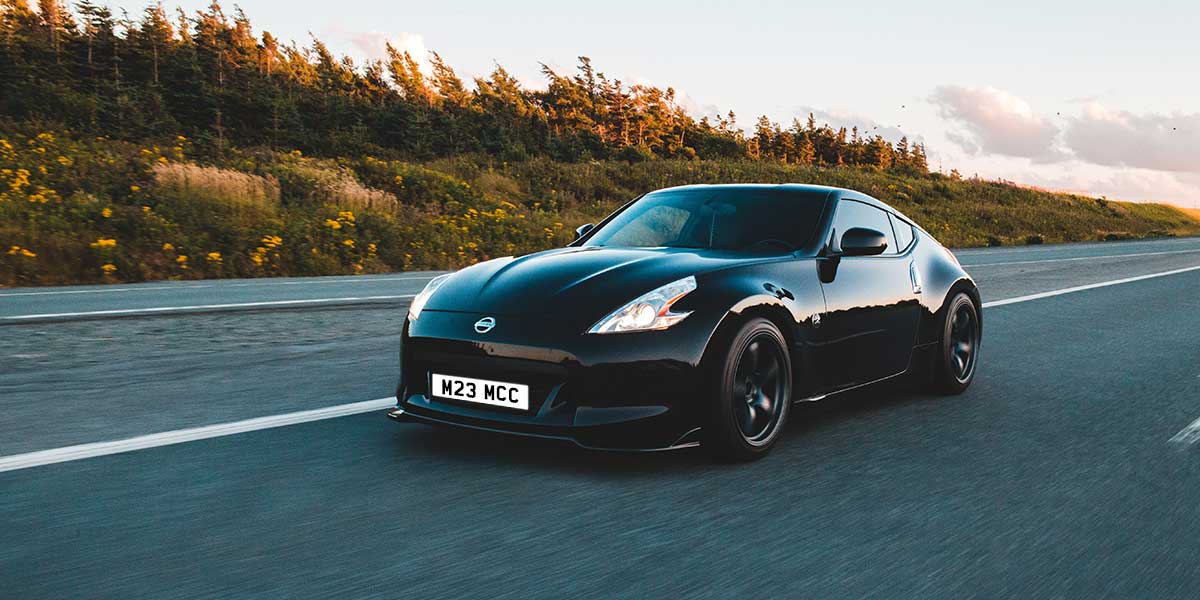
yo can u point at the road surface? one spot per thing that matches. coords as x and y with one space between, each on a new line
1070 469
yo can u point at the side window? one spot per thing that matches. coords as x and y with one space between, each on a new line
904 233
851 213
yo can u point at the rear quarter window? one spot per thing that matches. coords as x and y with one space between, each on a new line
904 233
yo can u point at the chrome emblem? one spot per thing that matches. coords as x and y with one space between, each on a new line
485 324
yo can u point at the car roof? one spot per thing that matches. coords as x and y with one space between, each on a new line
798 187
793 187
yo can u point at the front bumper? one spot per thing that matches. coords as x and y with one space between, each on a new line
636 391
690 439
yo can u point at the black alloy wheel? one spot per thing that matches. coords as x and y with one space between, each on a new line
959 350
753 393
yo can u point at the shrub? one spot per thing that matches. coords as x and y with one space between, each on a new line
316 182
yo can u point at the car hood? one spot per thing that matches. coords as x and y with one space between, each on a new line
588 279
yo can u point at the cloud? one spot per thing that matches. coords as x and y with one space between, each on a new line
1149 141
996 122
838 118
1141 185
372 45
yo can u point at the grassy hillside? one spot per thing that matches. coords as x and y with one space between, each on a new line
78 210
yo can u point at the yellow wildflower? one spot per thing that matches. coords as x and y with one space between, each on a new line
135 188
108 268
330 223
214 257
358 268
106 213
145 209
181 259
398 180
163 160
167 247
104 243
346 215
27 253
21 180
348 243
64 161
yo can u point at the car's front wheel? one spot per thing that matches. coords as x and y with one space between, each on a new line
751 393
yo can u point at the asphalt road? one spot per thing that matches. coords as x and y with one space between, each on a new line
1053 476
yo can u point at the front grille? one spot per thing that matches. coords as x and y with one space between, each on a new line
542 378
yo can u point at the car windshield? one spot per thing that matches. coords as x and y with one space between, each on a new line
745 219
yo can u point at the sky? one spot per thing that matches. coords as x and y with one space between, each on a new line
1098 97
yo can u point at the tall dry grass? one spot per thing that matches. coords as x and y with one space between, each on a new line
238 190
347 192
325 183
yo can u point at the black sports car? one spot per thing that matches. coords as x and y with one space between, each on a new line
691 316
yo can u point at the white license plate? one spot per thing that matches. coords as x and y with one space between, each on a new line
482 391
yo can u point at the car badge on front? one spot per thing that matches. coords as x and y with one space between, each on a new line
485 324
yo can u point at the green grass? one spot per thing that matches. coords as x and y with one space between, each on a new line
97 210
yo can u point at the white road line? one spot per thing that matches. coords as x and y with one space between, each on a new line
150 288
82 451
1190 434
179 436
175 309
1090 286
1084 245
1077 258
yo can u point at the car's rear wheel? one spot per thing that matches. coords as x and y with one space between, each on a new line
958 353
752 393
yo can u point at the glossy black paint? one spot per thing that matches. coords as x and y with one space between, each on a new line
850 321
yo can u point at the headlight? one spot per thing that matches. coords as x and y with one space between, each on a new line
418 303
649 311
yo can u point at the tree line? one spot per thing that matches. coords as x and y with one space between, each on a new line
210 77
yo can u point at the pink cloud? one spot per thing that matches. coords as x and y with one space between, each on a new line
994 121
1163 142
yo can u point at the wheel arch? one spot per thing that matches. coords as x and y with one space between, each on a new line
782 317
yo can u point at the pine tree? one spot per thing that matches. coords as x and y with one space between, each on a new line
807 154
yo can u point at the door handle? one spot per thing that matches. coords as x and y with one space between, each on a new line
914 274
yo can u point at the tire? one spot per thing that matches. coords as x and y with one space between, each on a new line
957 354
751 383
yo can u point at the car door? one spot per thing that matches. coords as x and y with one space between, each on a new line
872 312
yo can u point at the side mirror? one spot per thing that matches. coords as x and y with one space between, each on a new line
860 241
583 230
